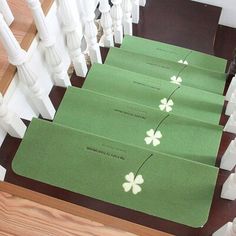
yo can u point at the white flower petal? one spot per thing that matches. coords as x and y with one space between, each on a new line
179 80
130 177
127 186
164 101
175 82
180 61
162 107
136 189
156 142
168 108
158 134
150 132
173 78
139 179
170 102
185 62
148 140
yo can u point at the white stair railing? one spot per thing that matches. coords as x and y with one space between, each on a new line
106 23
231 124
229 229
73 30
229 188
52 56
117 16
228 160
135 11
127 18
18 57
91 32
142 3
6 12
231 89
10 122
2 173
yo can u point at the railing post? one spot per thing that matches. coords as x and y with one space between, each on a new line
231 124
52 56
229 188
73 30
231 89
127 19
135 11
106 23
142 3
117 15
10 122
231 106
90 30
229 229
6 12
2 173
18 57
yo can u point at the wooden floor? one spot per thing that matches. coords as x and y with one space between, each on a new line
22 213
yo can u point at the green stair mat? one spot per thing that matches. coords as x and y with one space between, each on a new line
134 124
163 69
149 91
173 189
173 53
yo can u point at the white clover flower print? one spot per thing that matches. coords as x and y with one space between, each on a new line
166 105
133 183
153 137
183 62
176 80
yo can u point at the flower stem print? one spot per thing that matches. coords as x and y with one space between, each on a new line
154 135
184 61
134 180
177 79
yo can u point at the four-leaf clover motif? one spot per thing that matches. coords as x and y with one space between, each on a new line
133 183
166 105
176 80
153 137
183 62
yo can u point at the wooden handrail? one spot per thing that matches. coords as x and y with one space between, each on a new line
9 73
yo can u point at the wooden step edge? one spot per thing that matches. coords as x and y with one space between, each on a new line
80 211
8 76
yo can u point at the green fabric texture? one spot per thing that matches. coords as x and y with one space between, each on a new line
145 90
173 189
163 69
173 53
128 122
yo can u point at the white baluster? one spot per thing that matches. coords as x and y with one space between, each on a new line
229 229
231 106
135 11
2 173
229 188
6 12
142 3
10 122
106 23
228 160
127 19
90 30
117 15
73 30
52 56
231 89
18 57
231 124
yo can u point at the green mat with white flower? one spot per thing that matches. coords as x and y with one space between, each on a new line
149 182
139 125
158 94
191 76
173 53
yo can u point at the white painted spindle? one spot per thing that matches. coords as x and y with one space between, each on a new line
127 19
90 30
231 124
10 122
18 57
231 106
229 188
231 89
228 161
52 56
142 3
106 23
117 16
2 173
229 229
6 12
73 30
135 11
